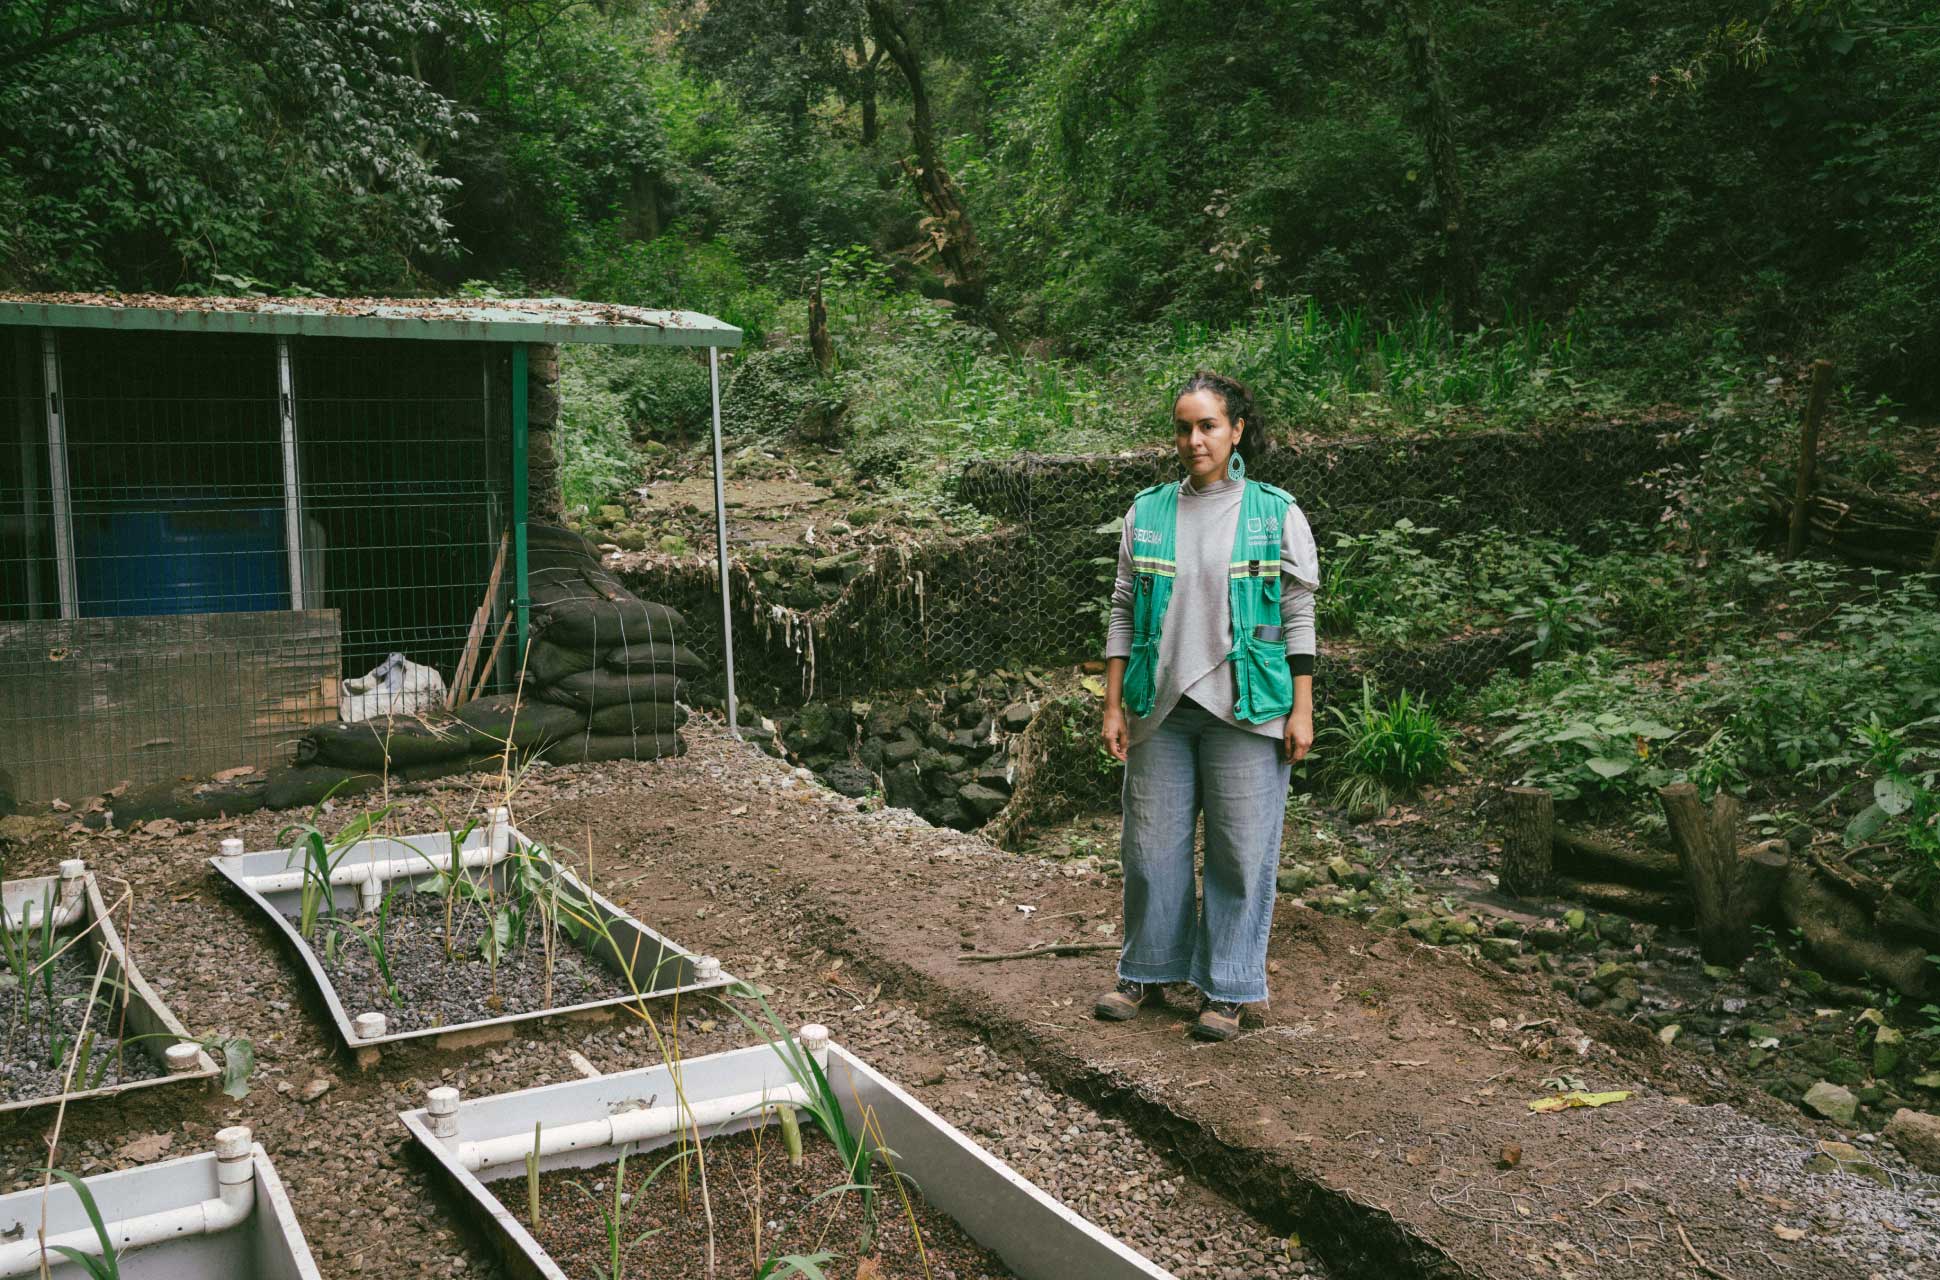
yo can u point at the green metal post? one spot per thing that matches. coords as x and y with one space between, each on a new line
523 600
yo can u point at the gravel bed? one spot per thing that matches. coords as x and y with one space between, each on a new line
1098 1167
749 1181
1884 1215
26 1070
439 991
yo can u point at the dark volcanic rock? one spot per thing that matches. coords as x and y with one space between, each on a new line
849 779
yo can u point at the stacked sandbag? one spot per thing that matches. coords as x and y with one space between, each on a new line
396 744
603 654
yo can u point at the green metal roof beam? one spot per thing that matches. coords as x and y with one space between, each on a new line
554 320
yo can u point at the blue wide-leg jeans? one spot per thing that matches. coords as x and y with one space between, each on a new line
1193 763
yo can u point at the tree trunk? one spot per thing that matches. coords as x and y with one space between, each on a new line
1528 831
1706 837
949 227
819 341
1808 457
795 24
867 61
1433 119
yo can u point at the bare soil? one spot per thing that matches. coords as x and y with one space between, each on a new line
753 1187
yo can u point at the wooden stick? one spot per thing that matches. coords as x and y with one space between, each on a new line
480 620
1061 949
485 672
1698 1258
1808 455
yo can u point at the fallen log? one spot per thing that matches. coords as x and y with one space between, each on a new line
1843 938
1587 857
1656 906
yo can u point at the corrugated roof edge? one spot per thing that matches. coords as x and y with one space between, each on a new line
436 319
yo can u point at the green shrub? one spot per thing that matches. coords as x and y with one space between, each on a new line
1590 732
1376 751
595 448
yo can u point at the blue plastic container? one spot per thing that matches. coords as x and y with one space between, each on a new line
181 555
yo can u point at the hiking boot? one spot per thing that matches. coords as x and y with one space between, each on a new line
1218 1020
1122 1002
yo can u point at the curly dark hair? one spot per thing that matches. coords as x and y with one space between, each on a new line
1237 398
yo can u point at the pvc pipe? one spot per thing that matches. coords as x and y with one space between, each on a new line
231 848
69 904
628 1126
236 1198
377 873
441 1104
498 826
814 1039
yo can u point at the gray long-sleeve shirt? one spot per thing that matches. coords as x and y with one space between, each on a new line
1199 620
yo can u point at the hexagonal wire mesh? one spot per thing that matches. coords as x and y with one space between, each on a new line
1033 590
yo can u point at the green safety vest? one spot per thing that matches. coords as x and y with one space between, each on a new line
1263 683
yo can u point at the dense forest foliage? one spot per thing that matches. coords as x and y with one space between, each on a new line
1645 179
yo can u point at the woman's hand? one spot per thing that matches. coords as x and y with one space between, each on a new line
1118 734
1118 738
1300 733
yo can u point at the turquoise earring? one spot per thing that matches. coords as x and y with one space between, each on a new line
1236 467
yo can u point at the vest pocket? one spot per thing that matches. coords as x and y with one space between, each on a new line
1141 676
1263 683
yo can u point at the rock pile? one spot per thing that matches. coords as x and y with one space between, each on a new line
945 753
601 680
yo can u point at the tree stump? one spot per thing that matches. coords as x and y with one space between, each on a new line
1731 889
1529 830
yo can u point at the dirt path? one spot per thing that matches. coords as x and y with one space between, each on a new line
1372 1110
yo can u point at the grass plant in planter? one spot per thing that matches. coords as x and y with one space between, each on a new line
218 1213
791 1157
454 935
76 1019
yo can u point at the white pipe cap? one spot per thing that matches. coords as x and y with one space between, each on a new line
73 868
706 969
232 847
181 1057
233 1143
369 1026
442 1101
813 1037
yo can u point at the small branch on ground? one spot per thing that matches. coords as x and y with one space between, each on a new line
1698 1258
1060 949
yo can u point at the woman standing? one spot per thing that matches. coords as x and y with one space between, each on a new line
1209 702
